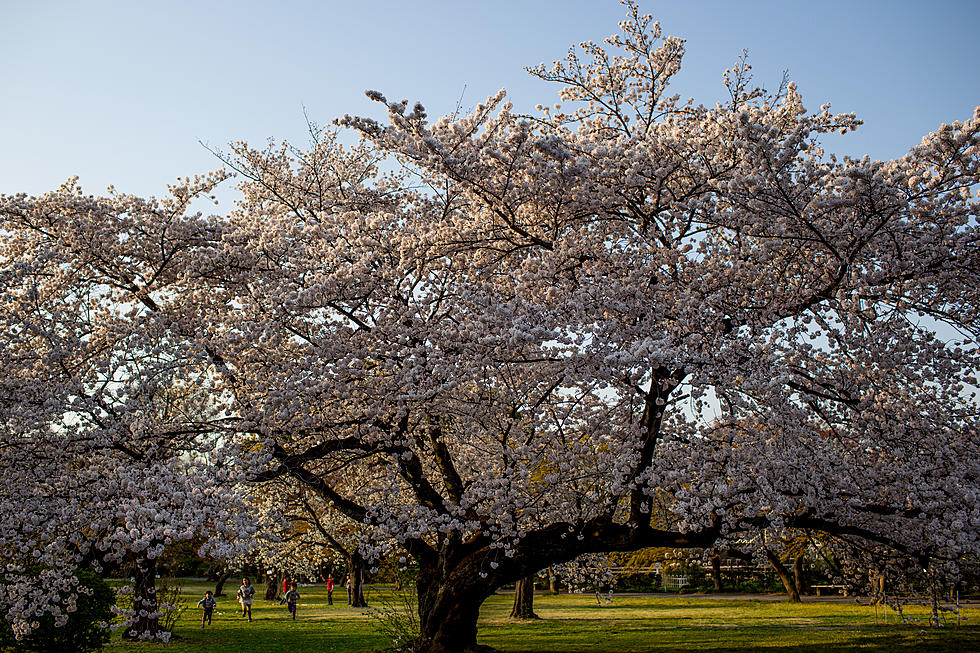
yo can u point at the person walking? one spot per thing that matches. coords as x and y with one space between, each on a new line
329 590
350 597
246 594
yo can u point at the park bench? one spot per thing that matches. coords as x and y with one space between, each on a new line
837 588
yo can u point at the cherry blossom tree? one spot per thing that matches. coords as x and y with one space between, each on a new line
653 257
538 326
106 445
303 535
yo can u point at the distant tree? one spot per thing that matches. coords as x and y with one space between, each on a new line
524 599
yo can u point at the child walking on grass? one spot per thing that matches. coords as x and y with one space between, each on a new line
208 603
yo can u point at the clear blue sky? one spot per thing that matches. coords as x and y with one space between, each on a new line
121 92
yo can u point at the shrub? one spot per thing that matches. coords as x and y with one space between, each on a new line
171 603
85 630
638 582
397 618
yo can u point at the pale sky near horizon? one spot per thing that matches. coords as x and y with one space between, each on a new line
121 92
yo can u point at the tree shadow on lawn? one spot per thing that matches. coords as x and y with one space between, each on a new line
656 603
942 643
629 636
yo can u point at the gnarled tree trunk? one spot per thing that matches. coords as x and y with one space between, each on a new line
456 577
448 612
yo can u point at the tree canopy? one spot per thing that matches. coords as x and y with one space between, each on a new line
514 346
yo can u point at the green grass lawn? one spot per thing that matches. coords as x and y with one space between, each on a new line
572 623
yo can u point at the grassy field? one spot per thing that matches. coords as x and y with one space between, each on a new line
572 623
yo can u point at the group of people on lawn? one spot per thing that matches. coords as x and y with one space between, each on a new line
246 595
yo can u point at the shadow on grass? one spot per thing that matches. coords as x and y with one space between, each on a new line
936 644
636 637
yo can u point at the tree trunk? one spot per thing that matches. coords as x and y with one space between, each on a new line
147 615
554 586
877 587
799 575
716 572
455 578
792 591
524 599
219 586
447 616
356 567
272 586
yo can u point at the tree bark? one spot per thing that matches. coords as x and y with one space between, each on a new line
356 567
792 591
219 586
877 579
448 613
147 615
524 599
272 586
799 575
554 586
716 572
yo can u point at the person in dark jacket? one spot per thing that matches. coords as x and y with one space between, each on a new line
208 604
291 597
